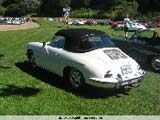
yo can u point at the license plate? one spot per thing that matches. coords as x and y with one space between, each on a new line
126 69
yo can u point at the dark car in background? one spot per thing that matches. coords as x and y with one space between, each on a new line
144 47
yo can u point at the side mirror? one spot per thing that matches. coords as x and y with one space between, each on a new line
44 44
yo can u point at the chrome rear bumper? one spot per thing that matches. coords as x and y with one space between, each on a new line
129 83
117 85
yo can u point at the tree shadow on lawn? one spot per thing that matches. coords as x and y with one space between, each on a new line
58 82
1 66
1 55
4 67
11 90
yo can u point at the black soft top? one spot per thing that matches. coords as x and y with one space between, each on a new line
75 36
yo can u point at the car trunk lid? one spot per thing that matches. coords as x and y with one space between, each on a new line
117 60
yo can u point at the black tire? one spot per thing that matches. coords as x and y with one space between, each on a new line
154 63
76 79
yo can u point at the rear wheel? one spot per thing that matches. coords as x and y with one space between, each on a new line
155 63
76 79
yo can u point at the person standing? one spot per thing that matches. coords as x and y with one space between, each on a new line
126 26
66 11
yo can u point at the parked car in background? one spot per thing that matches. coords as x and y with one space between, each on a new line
13 20
16 21
145 24
102 22
77 22
2 21
156 24
86 57
143 46
113 24
91 22
133 26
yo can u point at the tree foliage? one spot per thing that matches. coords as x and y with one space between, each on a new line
63 3
146 6
2 10
29 6
86 2
110 8
13 10
21 7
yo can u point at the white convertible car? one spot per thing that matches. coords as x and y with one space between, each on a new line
85 57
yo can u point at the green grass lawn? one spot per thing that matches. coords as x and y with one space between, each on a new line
24 91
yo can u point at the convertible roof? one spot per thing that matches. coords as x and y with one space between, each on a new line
75 36
78 34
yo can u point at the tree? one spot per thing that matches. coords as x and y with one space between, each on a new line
76 4
1 1
86 2
6 3
63 3
50 8
103 4
2 10
13 10
29 6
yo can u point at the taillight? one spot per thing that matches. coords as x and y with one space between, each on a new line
108 74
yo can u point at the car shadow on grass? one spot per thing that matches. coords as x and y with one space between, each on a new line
12 90
58 82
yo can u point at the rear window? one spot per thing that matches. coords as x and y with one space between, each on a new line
95 42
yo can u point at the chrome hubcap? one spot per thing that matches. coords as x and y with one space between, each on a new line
156 63
75 78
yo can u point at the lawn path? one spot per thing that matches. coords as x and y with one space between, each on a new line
25 26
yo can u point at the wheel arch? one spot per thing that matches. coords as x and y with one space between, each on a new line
29 53
153 66
68 68
66 71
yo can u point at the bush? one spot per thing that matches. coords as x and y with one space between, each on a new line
29 6
154 16
84 13
13 10
2 10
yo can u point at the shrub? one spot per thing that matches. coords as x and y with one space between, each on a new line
2 10
13 10
84 13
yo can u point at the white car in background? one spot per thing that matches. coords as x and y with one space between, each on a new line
76 22
16 21
86 57
8 21
136 26
133 26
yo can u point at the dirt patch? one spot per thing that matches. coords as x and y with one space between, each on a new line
25 26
